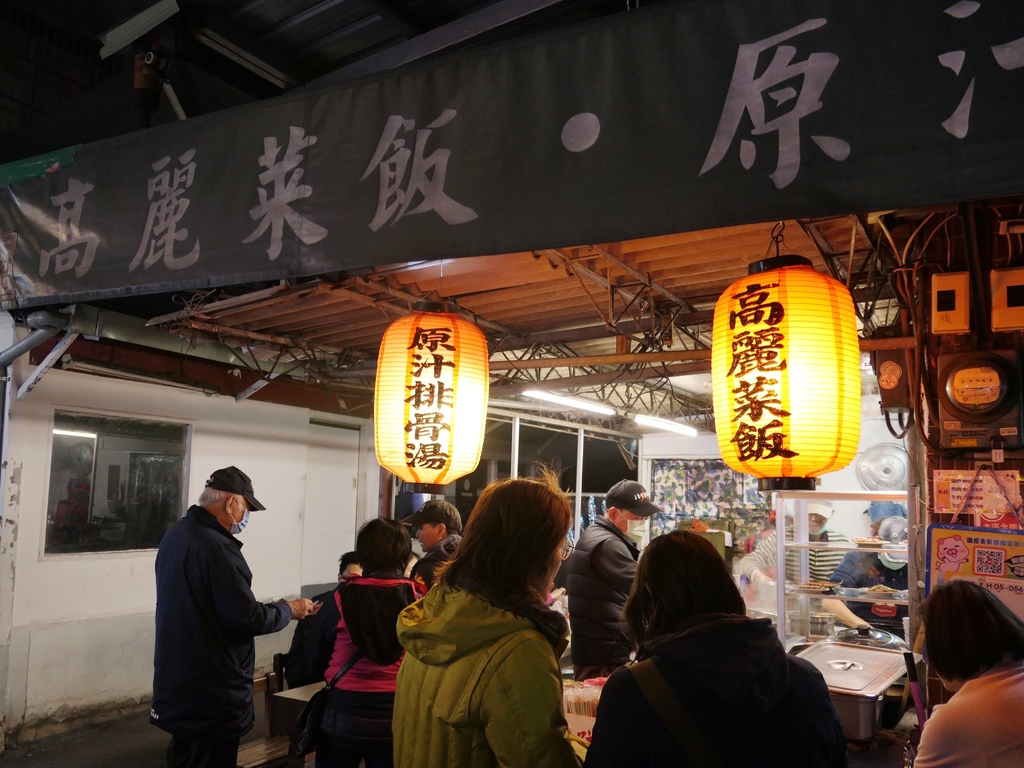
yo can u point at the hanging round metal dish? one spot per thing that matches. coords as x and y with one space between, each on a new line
884 467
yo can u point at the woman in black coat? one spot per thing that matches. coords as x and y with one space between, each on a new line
751 704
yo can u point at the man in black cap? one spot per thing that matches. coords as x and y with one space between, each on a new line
439 530
601 573
206 619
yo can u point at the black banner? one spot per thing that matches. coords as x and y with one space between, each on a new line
679 117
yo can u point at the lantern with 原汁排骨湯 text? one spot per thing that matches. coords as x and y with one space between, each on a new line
430 397
785 366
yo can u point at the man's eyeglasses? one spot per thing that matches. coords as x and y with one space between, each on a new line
567 549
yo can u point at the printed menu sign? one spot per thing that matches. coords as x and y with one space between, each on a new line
983 498
991 558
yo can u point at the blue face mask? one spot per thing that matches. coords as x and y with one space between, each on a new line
237 528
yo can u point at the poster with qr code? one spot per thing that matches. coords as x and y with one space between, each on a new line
989 557
989 495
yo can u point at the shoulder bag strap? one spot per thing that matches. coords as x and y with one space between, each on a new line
348 665
674 715
355 656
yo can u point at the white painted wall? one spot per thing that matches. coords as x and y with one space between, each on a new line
330 519
76 630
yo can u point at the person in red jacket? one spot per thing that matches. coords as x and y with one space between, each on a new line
356 629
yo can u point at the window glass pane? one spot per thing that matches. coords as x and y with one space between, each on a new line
115 483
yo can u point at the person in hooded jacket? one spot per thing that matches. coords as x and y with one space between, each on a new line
480 684
358 621
754 704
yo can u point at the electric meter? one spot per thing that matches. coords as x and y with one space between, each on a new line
980 399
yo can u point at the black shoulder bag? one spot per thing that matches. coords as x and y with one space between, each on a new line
307 725
678 721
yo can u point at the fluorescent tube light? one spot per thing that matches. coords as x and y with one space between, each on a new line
114 373
71 433
123 35
670 426
569 402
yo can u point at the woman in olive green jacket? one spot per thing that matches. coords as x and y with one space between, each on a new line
480 684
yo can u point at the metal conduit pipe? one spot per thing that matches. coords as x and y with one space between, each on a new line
45 323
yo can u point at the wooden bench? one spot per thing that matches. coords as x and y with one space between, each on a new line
263 753
270 750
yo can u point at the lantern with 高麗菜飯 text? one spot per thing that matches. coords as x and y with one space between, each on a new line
430 396
785 366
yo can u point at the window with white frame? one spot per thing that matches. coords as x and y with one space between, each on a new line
116 483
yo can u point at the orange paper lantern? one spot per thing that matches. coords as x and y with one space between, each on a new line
430 396
785 363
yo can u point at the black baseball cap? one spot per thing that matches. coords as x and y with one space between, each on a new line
234 480
435 512
632 497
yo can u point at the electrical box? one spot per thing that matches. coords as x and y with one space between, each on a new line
980 400
1007 299
890 370
951 307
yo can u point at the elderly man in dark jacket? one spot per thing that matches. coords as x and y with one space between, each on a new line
206 619
439 530
601 573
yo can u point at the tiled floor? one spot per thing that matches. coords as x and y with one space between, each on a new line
126 742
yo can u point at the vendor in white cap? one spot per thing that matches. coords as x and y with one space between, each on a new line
760 565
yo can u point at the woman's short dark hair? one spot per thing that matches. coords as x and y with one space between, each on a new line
968 630
680 575
349 558
383 546
514 529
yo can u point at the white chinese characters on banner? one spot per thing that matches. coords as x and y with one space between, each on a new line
283 177
747 97
74 250
409 176
1009 56
167 207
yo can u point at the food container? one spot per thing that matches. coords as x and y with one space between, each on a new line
796 623
579 703
822 624
857 677
581 726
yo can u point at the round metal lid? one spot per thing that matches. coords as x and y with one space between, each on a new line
869 636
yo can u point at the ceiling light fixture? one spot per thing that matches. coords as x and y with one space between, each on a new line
569 402
70 364
220 35
670 426
124 34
